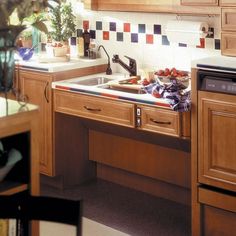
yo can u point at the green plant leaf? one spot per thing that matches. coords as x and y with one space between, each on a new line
40 26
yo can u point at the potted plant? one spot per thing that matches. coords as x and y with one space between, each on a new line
62 27
13 13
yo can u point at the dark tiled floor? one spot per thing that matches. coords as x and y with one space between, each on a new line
127 210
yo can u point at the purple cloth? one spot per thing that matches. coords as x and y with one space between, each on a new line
174 93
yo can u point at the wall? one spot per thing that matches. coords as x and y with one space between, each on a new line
142 36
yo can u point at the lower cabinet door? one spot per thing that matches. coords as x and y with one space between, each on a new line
36 87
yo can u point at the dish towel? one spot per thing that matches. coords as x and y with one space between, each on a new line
175 93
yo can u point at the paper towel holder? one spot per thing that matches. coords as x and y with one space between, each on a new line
208 33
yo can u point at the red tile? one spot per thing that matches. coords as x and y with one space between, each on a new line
202 43
85 24
105 35
149 38
126 27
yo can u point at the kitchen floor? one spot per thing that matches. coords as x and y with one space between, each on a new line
126 210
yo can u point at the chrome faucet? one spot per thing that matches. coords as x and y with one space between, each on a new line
131 68
108 70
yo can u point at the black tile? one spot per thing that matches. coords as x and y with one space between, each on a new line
217 44
98 25
134 37
182 45
79 32
92 34
211 35
165 40
142 28
157 29
120 36
112 26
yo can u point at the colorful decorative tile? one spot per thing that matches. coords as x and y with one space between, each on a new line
85 24
202 43
142 28
149 39
126 27
134 38
105 35
112 26
92 34
182 45
98 25
217 44
157 29
165 40
119 36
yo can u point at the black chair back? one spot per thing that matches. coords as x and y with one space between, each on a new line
26 208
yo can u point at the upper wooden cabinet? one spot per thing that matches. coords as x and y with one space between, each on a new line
228 18
227 2
200 2
162 6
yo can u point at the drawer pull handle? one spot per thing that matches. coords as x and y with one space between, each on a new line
92 109
160 122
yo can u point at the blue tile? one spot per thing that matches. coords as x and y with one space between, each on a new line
217 44
92 34
157 29
73 41
134 38
142 28
182 45
112 26
165 41
98 25
120 36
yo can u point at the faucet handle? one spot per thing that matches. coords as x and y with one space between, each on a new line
131 59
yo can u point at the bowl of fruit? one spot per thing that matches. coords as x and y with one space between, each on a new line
167 76
56 49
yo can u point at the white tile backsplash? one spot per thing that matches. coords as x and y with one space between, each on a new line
154 55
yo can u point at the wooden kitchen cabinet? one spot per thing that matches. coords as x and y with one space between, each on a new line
227 3
101 109
36 86
218 213
162 6
200 2
160 120
228 19
228 33
217 122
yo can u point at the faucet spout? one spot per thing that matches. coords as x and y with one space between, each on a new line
131 68
108 70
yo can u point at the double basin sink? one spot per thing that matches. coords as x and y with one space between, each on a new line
115 82
113 86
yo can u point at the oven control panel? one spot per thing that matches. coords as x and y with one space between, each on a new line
220 86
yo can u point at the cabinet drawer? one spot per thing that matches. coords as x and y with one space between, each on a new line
218 213
228 44
95 108
227 3
199 2
228 18
160 120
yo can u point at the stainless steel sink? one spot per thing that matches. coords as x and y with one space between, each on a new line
120 89
92 81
